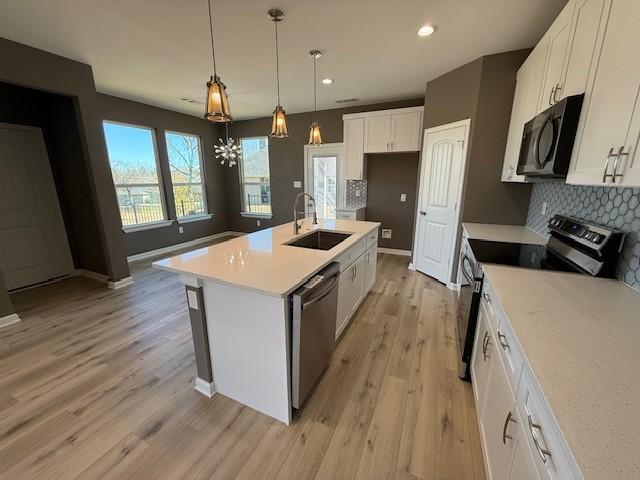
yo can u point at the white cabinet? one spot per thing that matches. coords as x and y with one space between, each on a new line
371 261
351 213
557 43
405 131
605 151
377 133
353 138
524 462
356 279
497 424
482 352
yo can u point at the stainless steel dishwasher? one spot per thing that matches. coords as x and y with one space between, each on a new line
314 309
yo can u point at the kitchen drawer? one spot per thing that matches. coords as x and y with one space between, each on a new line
491 302
509 349
372 238
345 215
552 455
347 257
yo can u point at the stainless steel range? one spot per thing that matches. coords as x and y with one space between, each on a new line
574 246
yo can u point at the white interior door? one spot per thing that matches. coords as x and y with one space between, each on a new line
444 150
324 176
33 241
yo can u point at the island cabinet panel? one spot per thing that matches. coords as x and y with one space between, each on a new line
482 352
371 258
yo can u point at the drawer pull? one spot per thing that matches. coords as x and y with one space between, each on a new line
504 428
485 344
503 340
486 296
543 452
606 175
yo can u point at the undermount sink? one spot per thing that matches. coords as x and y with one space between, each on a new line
320 240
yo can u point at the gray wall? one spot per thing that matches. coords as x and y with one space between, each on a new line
55 115
286 159
29 67
388 176
611 206
161 120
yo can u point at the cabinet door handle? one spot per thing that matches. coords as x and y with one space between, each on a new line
543 452
392 146
606 175
503 340
551 96
387 146
555 93
504 428
621 153
485 344
486 297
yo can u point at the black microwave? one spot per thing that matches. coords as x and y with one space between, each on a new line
547 140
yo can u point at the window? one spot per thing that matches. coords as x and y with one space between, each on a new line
185 163
134 167
254 176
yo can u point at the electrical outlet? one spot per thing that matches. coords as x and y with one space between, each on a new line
544 208
357 192
180 229
297 184
258 223
192 299
386 233
403 197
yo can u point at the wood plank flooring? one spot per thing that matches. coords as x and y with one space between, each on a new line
96 383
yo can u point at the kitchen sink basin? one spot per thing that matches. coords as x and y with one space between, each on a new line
320 240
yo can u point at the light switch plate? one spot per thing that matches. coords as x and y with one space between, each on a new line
192 299
544 208
386 233
297 184
180 229
258 223
403 197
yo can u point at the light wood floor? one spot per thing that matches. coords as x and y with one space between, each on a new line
98 384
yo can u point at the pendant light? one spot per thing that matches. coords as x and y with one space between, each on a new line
315 137
217 101
228 151
279 122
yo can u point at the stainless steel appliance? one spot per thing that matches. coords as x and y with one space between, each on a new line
314 310
548 138
574 246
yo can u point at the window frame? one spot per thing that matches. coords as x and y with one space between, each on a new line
163 201
243 201
203 179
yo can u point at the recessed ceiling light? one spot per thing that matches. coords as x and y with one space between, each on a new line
327 81
426 30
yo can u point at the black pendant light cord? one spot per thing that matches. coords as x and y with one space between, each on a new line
277 63
315 87
213 50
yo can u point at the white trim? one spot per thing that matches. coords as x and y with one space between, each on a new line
395 251
179 246
205 388
146 226
195 218
255 215
453 286
376 113
412 267
457 221
341 168
123 282
9 320
100 277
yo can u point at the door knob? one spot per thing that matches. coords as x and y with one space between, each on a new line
423 212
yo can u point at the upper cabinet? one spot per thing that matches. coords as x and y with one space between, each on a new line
606 145
384 131
590 48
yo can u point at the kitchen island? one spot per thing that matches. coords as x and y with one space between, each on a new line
238 295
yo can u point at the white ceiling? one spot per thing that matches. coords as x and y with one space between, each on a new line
158 51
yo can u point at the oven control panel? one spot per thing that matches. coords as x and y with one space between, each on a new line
589 234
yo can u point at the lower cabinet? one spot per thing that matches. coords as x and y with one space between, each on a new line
371 263
351 291
481 359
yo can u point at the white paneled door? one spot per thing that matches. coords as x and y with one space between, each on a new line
437 221
33 241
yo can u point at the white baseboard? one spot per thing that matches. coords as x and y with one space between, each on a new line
453 286
9 320
179 246
412 267
123 282
205 388
394 251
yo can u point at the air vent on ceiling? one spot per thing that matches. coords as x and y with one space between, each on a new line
191 100
348 100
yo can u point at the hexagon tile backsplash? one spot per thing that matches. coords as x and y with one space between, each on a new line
611 206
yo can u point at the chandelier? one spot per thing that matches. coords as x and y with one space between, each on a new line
229 151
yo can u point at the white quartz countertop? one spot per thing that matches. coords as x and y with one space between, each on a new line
261 262
581 336
503 233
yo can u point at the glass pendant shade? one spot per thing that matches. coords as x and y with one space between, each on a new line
279 123
217 101
315 136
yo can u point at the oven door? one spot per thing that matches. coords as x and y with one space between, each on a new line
468 305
